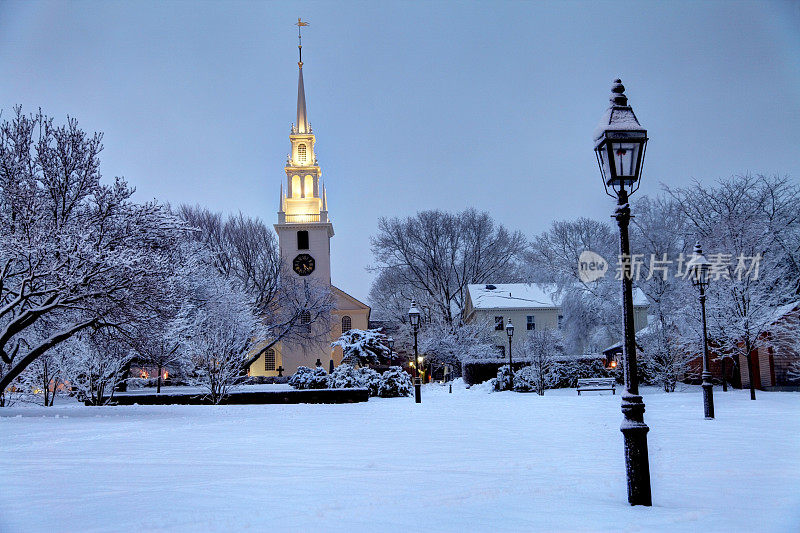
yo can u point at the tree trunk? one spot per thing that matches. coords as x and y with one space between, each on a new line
751 374
158 387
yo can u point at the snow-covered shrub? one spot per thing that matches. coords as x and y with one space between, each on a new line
394 382
362 347
525 379
504 378
308 378
567 370
370 380
344 377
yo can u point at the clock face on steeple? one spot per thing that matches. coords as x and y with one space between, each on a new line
303 264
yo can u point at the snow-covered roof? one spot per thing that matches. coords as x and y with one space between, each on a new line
524 296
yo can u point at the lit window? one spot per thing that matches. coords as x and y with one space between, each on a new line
301 153
295 186
531 323
347 324
309 187
498 323
269 359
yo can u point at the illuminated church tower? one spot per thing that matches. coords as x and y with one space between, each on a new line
304 234
304 230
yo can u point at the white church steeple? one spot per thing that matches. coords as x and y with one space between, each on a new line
303 227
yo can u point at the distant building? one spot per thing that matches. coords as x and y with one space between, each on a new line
530 306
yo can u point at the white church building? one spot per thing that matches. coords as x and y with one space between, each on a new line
305 230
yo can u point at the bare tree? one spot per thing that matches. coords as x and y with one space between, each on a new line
98 364
69 245
439 254
217 326
541 348
750 227
452 344
591 309
245 252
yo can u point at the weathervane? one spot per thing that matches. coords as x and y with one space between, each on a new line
299 25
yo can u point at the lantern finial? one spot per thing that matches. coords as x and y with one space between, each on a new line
618 94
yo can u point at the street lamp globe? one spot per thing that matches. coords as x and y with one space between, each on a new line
413 314
619 144
698 268
510 328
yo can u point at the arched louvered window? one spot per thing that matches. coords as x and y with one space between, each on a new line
269 359
347 324
296 187
301 153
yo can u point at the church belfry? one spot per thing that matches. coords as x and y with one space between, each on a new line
303 227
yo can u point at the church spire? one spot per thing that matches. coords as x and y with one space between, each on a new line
302 119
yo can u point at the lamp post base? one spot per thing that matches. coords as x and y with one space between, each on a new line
708 400
417 390
637 462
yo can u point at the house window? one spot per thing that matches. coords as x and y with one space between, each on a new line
560 321
305 317
347 324
531 323
269 359
301 153
501 350
498 323
302 240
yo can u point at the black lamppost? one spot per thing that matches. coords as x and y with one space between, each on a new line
510 333
698 269
390 343
413 316
619 144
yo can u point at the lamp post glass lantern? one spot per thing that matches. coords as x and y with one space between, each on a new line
413 317
390 344
619 145
699 269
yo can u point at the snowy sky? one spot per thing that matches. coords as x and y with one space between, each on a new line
415 105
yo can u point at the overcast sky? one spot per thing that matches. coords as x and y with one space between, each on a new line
415 105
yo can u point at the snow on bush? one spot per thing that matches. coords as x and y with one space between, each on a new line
503 381
362 347
307 378
526 379
370 380
345 377
394 382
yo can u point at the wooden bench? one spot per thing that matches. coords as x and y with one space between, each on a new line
597 384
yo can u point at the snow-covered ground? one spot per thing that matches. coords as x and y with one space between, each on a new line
467 461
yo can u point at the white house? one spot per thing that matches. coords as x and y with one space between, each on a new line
530 306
